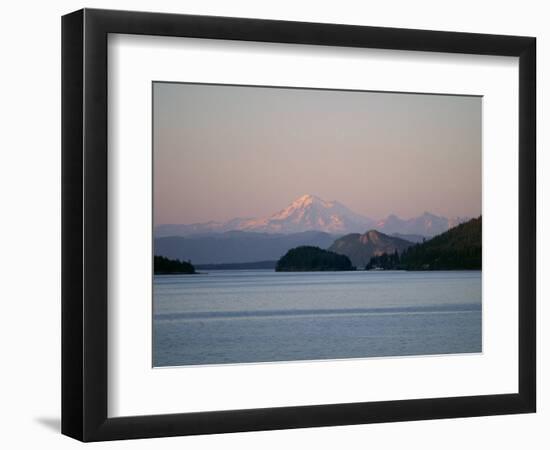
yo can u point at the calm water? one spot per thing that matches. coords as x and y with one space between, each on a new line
261 315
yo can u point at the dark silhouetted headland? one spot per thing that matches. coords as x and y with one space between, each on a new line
165 266
456 249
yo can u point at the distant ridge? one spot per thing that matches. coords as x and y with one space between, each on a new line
426 225
237 246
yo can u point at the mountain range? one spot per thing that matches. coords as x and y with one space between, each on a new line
311 213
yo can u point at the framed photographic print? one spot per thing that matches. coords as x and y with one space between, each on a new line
272 224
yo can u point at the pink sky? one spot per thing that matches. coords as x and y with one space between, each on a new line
225 151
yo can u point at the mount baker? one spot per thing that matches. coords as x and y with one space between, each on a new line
311 213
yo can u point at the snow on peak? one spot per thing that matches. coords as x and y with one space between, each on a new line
307 200
310 212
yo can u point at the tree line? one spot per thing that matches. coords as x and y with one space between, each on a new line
457 249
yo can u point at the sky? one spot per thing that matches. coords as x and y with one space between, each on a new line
222 152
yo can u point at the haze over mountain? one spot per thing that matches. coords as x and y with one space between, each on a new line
311 213
425 225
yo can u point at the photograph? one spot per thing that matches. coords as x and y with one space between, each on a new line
275 225
302 224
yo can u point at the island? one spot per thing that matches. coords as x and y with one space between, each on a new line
360 248
166 266
311 259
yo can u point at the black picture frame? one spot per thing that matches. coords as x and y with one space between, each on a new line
84 224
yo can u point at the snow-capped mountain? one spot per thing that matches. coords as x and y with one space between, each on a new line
311 213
